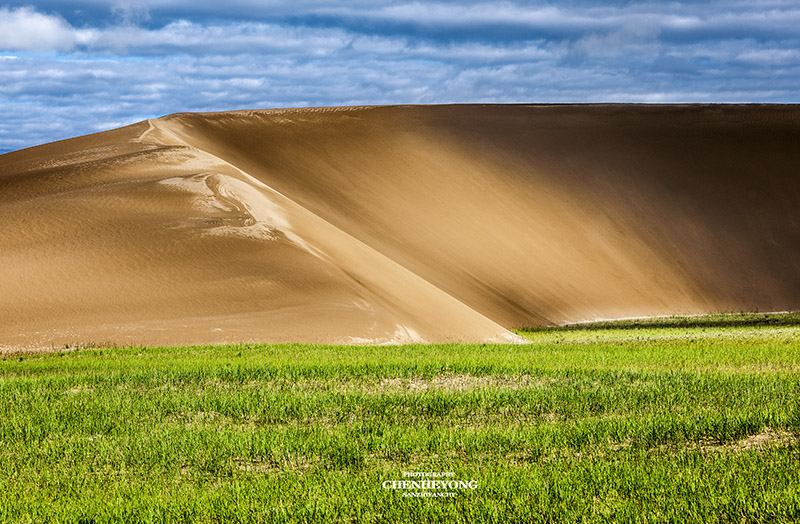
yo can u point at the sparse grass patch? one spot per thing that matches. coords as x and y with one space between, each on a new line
668 423
717 320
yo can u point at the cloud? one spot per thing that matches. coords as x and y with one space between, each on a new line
131 14
235 38
81 66
632 40
24 29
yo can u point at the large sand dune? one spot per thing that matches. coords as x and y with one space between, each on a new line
398 224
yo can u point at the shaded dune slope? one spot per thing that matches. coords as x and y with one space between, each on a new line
398 224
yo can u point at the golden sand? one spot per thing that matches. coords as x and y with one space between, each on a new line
397 224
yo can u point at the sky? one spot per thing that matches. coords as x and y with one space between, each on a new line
69 68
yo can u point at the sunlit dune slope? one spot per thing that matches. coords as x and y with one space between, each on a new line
398 224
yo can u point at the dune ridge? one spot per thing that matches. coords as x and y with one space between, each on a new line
398 224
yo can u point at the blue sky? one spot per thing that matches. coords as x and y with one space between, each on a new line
76 67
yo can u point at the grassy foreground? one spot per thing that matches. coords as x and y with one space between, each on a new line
663 422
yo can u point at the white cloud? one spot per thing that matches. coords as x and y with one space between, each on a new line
568 17
131 13
770 56
24 29
629 41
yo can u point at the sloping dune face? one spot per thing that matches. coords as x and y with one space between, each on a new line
398 224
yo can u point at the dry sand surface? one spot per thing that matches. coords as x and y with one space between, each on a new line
397 224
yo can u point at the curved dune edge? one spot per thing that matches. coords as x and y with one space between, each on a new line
397 224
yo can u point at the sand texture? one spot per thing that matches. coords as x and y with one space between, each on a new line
397 224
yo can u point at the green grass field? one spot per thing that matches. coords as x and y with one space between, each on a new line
672 420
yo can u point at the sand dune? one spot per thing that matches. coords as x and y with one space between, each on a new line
398 224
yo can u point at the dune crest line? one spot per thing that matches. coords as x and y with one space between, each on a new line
387 283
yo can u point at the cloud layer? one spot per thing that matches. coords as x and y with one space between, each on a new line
70 68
